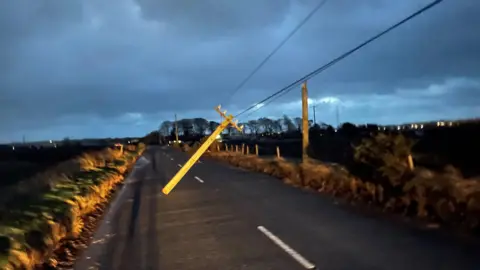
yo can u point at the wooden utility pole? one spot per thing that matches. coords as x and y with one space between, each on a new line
194 158
338 116
159 130
304 122
176 129
314 114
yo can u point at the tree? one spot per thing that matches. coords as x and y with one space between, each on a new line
288 123
201 125
66 141
253 126
349 129
329 130
212 125
316 128
277 125
186 126
244 126
298 122
267 124
323 125
151 138
165 127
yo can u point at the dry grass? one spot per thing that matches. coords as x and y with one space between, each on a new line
34 220
445 197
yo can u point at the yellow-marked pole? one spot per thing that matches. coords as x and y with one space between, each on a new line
194 158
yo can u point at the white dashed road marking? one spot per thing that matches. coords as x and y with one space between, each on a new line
295 255
198 179
171 158
179 165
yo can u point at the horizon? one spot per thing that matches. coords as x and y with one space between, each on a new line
318 122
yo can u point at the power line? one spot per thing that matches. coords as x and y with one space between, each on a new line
278 47
341 57
261 105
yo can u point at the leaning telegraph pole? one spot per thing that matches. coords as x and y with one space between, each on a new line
304 122
228 120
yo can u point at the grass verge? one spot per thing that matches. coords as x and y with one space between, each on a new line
49 208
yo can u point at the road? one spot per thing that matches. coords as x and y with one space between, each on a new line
220 217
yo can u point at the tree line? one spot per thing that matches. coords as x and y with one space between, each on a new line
202 126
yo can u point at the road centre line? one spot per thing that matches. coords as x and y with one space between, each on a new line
290 251
199 179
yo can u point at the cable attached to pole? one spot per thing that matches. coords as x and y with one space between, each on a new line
339 58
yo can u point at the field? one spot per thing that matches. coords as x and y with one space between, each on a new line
24 162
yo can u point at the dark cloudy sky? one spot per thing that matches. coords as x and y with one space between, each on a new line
94 68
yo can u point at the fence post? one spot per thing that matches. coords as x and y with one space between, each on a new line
256 149
278 152
226 147
410 162
248 150
236 148
243 148
218 148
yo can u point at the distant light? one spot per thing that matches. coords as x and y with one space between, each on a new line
398 128
421 126
50 141
13 147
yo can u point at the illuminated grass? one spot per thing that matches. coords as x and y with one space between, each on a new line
31 226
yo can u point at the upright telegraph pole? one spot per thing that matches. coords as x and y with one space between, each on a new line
304 122
176 129
314 114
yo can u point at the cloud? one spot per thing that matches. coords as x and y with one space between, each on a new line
74 68
401 106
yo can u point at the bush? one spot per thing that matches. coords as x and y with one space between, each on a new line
387 156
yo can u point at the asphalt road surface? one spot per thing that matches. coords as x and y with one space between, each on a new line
220 217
